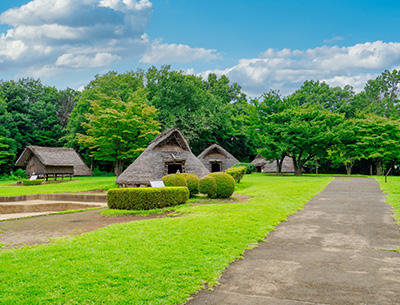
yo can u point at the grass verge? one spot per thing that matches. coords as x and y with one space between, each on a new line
158 261
78 184
392 191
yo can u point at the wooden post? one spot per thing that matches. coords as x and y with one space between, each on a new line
388 172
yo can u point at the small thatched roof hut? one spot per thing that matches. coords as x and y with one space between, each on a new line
168 153
217 159
52 161
263 166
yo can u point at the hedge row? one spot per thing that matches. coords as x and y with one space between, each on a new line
236 172
146 198
32 182
249 167
217 185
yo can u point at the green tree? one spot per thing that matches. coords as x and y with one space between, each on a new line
300 132
334 99
119 131
378 140
347 150
384 94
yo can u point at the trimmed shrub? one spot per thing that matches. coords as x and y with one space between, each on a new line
192 183
174 180
208 186
236 172
31 182
146 198
249 167
225 184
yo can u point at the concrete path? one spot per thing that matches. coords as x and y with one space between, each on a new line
329 253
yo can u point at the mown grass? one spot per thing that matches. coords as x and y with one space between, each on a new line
392 189
78 184
159 261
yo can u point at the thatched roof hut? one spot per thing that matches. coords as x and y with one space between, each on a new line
263 166
168 153
45 161
217 159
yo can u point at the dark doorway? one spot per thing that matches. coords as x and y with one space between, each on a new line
215 167
173 168
258 169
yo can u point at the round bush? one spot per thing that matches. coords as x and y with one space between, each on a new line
192 183
208 185
174 180
225 184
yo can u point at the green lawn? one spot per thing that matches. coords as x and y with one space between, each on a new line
78 184
392 189
159 261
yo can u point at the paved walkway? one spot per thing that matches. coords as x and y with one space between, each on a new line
329 253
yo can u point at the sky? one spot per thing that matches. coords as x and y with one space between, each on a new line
259 44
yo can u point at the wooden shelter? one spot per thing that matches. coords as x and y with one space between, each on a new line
168 153
52 162
264 166
217 159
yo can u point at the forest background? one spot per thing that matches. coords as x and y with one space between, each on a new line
116 115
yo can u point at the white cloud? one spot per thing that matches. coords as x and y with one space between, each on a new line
162 53
47 35
287 69
333 39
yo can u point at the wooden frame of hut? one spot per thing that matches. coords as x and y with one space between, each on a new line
217 159
52 162
263 166
168 153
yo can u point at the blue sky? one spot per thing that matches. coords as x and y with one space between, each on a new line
261 45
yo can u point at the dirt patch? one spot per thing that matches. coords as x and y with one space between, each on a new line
43 229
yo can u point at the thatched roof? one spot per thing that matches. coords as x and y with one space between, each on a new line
216 153
272 166
169 146
55 156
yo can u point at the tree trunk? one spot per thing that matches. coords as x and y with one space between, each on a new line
118 167
379 168
370 170
297 167
349 167
279 163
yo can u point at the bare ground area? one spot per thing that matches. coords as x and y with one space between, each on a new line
16 233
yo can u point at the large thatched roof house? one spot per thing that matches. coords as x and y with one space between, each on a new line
263 166
217 159
168 153
52 161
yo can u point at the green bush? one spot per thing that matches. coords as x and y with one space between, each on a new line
208 186
249 167
17 175
236 172
225 184
32 182
146 198
192 183
174 180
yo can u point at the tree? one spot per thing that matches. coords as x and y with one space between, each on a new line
384 94
347 150
334 99
300 132
119 131
378 139
205 112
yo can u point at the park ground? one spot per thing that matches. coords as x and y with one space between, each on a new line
162 260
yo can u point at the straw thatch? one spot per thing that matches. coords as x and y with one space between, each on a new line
166 154
264 166
52 160
217 159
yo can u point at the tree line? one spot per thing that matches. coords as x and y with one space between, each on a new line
116 115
